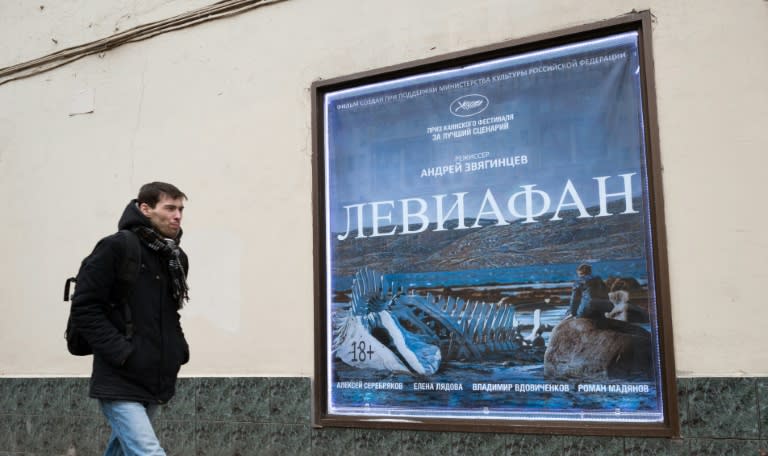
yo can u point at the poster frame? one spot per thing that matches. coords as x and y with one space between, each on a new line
640 22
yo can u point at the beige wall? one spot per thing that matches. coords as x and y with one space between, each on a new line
223 111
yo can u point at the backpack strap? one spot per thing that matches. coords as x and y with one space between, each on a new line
127 276
67 285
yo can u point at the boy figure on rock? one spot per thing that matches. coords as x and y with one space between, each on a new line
589 297
135 371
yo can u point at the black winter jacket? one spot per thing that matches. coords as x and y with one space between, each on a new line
142 369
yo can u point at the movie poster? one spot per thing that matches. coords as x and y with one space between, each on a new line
488 242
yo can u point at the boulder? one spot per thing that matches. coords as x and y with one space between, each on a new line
598 349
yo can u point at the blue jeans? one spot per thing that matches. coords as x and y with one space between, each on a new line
132 432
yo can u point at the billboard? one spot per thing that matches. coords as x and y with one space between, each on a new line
489 243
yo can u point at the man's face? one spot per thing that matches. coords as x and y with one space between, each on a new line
166 215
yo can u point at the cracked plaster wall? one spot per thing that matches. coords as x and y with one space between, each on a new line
223 110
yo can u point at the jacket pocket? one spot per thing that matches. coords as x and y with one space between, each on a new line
185 357
179 353
143 358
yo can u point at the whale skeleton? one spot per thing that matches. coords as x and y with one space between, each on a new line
403 331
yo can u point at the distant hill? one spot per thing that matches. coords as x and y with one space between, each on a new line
569 240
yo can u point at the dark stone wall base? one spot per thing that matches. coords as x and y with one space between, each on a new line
271 416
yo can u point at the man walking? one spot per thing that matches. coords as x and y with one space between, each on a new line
135 365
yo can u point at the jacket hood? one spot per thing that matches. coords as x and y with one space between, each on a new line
132 218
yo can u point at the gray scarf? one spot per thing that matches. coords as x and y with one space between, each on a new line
169 250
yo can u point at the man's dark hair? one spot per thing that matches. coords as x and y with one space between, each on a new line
584 269
150 193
